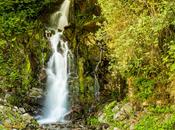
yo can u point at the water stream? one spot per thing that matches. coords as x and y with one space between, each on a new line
55 106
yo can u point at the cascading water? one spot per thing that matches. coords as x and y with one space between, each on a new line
55 106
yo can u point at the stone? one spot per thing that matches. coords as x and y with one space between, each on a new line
102 118
27 117
36 92
7 96
1 107
127 108
119 116
22 110
1 101
145 104
15 107
7 122
124 112
131 127
103 126
116 108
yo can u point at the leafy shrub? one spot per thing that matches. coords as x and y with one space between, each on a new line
140 38
144 87
156 122
93 121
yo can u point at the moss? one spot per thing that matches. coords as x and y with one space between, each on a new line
14 99
2 127
93 121
156 122
21 57
81 76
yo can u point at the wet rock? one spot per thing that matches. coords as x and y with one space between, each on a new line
67 126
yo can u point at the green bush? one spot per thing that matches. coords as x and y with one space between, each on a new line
93 121
139 36
21 45
144 87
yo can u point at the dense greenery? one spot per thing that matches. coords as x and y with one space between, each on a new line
18 16
140 36
140 39
124 50
21 45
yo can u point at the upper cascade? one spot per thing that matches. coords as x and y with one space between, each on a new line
60 18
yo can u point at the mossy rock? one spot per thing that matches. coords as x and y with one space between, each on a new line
12 118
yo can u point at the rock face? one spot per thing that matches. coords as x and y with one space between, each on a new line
23 61
87 71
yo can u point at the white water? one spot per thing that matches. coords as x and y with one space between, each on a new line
55 106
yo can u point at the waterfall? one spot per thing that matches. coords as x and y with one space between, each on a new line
55 106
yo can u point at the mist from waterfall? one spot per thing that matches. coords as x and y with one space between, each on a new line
55 106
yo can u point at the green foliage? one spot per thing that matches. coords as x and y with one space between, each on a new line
140 39
85 12
21 59
144 87
108 111
18 16
161 109
153 118
14 99
22 46
160 118
93 121
2 127
140 36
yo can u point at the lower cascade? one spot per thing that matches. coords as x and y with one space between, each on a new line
55 106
